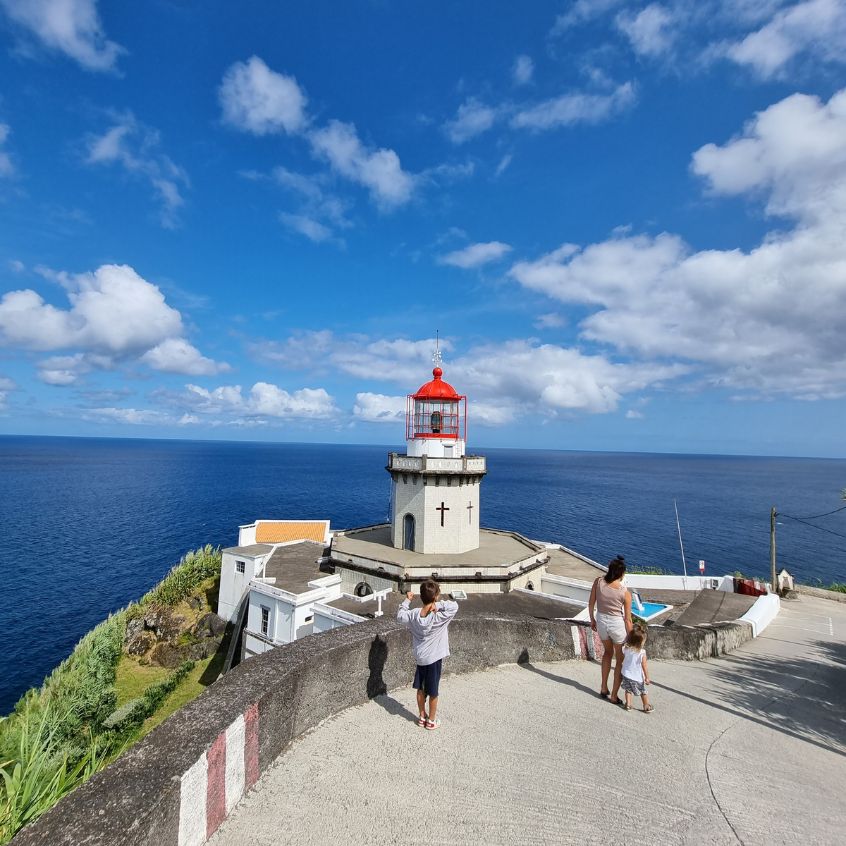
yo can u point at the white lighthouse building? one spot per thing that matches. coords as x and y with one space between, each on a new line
435 485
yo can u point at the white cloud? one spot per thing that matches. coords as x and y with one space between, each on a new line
571 109
355 355
176 355
135 147
6 386
581 12
503 165
632 414
767 320
114 314
71 27
648 30
264 400
133 416
379 408
379 171
476 255
113 310
188 420
16 266
523 70
551 320
312 229
793 153
256 99
505 381
472 119
816 25
62 370
6 167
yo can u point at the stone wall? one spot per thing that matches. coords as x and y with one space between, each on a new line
821 593
177 785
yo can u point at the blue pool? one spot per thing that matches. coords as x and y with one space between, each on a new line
647 611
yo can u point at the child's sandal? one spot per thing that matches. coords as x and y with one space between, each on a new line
648 708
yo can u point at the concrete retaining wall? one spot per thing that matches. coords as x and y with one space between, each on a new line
821 593
762 613
176 786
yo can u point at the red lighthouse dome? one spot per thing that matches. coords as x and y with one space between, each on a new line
437 388
436 412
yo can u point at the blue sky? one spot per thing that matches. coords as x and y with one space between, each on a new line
248 221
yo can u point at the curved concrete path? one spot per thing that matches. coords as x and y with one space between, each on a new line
745 749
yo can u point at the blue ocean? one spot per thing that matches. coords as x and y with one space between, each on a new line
88 524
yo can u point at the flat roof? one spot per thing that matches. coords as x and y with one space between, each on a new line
496 548
253 550
514 602
570 566
294 566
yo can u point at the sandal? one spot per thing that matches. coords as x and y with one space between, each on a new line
433 724
648 709
616 701
422 720
627 707
605 693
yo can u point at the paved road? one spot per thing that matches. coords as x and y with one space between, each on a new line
745 749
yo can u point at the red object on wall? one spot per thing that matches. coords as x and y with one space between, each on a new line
749 587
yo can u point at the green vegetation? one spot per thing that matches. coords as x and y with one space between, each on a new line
840 587
637 570
95 704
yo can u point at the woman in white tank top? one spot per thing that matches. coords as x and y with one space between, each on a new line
612 622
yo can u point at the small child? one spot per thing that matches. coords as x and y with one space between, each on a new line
635 669
430 645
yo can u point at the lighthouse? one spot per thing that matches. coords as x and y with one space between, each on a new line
435 484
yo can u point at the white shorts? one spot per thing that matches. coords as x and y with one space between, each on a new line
611 627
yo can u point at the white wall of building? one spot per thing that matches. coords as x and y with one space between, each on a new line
422 497
247 535
436 447
233 585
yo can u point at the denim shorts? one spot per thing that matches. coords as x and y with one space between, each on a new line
428 677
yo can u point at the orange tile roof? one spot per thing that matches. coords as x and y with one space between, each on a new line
283 531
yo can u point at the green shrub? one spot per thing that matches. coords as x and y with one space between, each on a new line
647 571
194 568
62 733
840 587
126 713
41 772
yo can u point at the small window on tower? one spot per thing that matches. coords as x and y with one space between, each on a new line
265 620
240 566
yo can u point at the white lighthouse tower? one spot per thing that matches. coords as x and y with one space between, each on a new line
435 485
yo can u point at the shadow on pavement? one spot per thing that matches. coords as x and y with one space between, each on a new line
799 697
527 665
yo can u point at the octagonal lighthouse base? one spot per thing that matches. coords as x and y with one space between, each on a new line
435 502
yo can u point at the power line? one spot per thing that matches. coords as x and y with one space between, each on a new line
812 525
815 516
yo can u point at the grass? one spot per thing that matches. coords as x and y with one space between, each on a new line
133 678
840 587
60 734
647 571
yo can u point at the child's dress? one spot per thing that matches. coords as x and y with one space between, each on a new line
632 680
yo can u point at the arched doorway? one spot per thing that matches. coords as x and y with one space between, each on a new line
363 589
408 532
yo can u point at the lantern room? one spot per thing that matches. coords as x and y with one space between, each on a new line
436 419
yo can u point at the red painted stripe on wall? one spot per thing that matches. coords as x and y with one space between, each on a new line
598 648
216 785
583 641
251 746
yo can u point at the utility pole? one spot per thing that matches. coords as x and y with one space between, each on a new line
773 550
